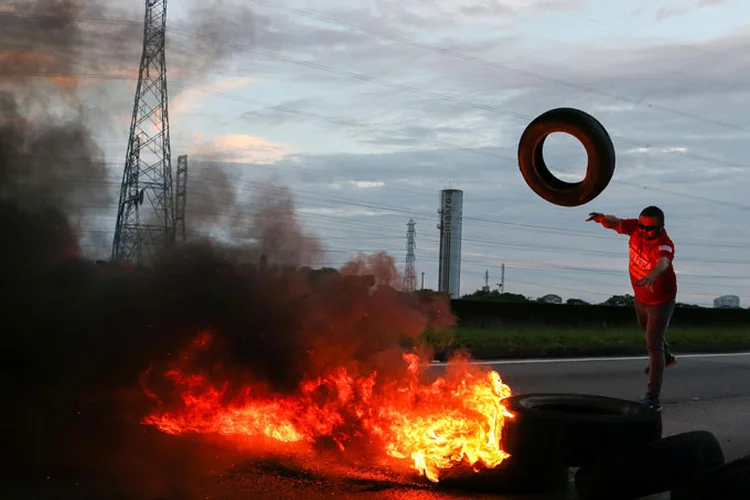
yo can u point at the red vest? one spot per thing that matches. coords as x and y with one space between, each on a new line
643 257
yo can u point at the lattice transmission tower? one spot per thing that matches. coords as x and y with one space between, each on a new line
180 198
410 274
145 215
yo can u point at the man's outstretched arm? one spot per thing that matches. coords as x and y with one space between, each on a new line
608 221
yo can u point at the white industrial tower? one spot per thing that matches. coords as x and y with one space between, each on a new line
451 217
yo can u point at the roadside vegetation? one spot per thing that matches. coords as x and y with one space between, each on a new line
540 341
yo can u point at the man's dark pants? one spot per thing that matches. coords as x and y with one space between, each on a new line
654 320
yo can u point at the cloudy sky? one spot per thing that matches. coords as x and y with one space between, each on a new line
367 109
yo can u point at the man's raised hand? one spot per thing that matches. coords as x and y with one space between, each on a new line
596 217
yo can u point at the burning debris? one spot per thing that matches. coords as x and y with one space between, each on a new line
456 420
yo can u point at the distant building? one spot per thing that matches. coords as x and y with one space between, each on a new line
727 301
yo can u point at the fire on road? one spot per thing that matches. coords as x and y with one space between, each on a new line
431 426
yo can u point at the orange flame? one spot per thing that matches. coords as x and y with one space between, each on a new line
434 426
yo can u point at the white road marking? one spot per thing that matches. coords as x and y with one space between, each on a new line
585 360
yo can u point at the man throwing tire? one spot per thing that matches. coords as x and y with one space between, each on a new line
654 285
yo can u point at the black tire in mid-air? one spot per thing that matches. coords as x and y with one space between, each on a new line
594 138
575 429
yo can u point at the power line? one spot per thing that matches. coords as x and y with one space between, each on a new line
421 45
534 264
399 86
530 265
546 268
433 95
496 65
629 31
398 210
352 124
686 195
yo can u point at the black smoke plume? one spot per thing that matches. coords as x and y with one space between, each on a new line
78 334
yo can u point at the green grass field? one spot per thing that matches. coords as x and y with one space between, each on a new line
552 339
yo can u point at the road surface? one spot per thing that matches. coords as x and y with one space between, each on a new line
704 377
701 392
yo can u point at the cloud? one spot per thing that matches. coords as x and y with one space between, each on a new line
358 184
193 99
676 10
711 3
506 7
359 38
479 10
342 212
671 11
238 148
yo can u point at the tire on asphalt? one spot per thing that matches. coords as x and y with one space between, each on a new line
511 477
594 138
575 429
649 469
730 481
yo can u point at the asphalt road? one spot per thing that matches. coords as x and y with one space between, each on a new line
700 392
695 377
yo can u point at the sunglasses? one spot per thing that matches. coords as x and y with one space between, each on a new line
644 227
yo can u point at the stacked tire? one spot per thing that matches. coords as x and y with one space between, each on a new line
730 481
551 433
618 448
576 429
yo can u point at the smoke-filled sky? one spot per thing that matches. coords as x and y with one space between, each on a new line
366 110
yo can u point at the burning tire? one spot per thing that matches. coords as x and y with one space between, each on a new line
593 136
730 481
653 468
575 429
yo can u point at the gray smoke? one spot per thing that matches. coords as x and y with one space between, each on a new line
261 220
50 167
57 36
66 64
275 229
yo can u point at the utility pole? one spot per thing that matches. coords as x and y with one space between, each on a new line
410 274
422 287
180 198
147 177
486 287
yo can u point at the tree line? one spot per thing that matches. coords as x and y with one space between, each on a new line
551 298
